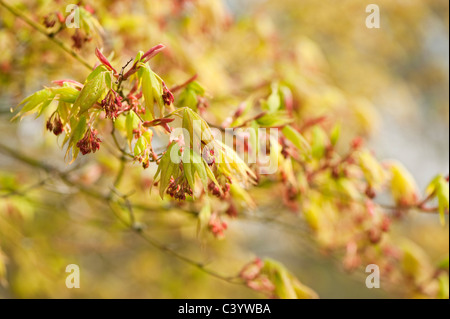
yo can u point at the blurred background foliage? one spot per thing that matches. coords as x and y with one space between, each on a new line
389 85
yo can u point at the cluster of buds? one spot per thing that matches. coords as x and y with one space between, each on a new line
79 39
232 210
148 156
290 195
89 143
51 19
54 124
179 189
134 104
167 95
217 226
252 270
370 192
112 104
251 274
221 191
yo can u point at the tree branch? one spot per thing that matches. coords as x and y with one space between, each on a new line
109 200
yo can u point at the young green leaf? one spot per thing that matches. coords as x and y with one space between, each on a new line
167 168
443 264
273 102
197 162
204 216
94 88
275 119
40 99
66 93
147 89
76 135
152 89
140 146
131 122
286 285
404 189
189 174
443 286
319 141
442 192
372 170
210 173
335 134
188 98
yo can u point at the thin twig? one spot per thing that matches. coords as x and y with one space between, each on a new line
180 86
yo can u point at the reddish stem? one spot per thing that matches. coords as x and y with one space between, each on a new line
179 87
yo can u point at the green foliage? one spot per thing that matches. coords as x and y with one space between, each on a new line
93 90
439 189
286 285
296 138
152 89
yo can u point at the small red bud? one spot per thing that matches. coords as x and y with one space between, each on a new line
370 192
357 143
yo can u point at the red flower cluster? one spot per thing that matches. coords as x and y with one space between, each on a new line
89 143
167 95
50 19
217 226
219 191
105 61
251 270
232 210
79 39
179 189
